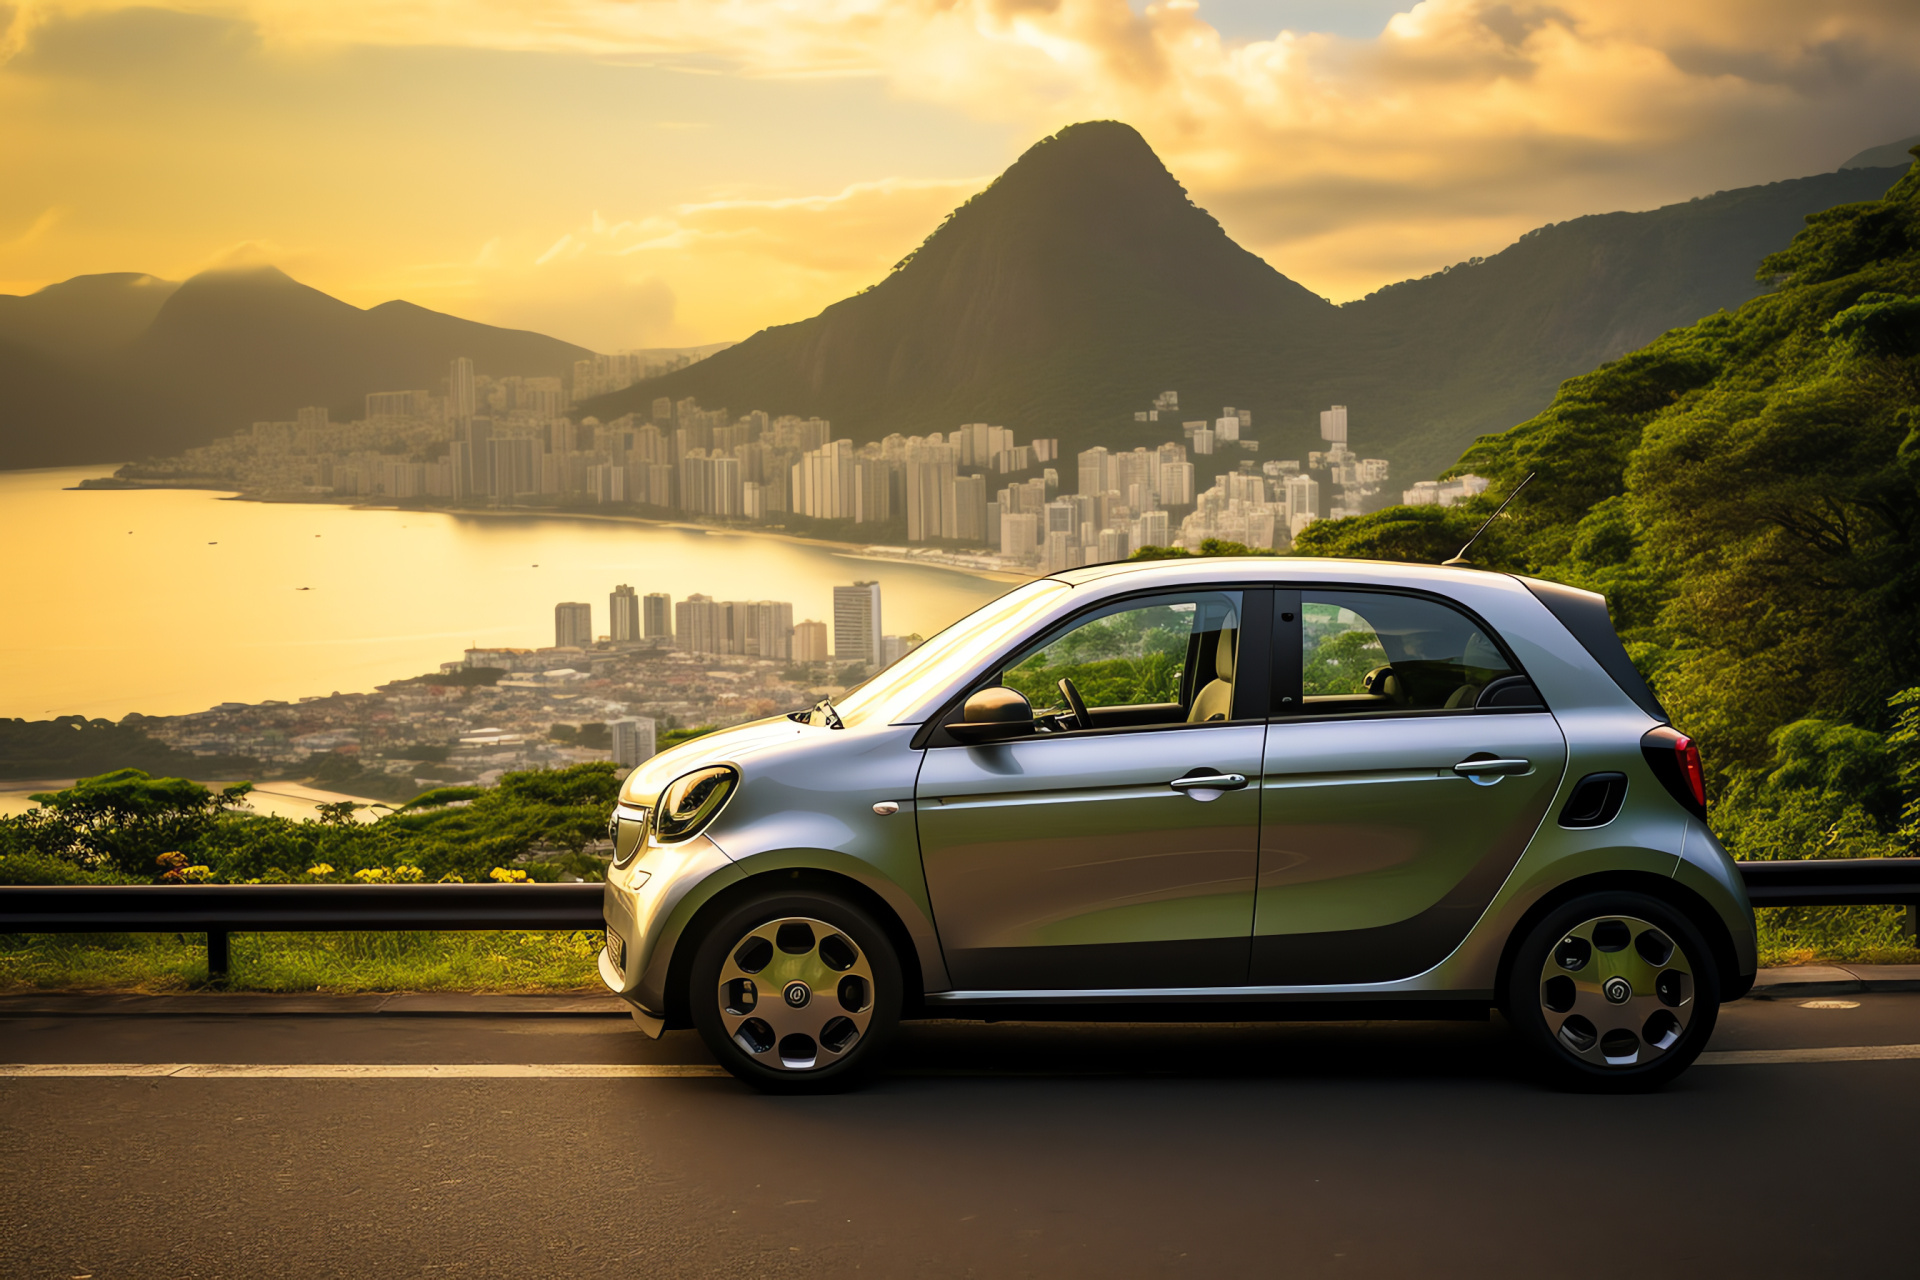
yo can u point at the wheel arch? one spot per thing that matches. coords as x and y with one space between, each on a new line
1698 911
786 879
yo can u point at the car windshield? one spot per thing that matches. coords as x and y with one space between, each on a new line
895 694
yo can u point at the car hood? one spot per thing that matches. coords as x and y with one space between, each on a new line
726 746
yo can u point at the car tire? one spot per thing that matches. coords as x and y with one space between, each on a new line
796 991
1613 992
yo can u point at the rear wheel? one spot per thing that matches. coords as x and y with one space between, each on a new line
796 991
1613 992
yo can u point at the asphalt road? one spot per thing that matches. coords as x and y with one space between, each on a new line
1005 1150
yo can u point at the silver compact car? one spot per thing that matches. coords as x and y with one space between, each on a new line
1218 787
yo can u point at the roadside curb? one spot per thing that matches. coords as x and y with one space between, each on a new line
1800 981
258 1003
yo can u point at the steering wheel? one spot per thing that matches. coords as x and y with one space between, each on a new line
1077 704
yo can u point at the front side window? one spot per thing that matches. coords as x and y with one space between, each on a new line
1166 659
1375 651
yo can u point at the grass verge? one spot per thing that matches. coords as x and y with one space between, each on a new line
529 961
516 961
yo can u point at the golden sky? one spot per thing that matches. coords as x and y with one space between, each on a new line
662 172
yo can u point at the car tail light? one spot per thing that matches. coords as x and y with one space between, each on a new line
1675 760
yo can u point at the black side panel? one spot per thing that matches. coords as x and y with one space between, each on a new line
1199 962
1584 614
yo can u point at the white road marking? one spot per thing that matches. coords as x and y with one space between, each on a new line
1845 1053
364 1070
691 1070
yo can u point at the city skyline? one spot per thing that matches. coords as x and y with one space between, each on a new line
518 442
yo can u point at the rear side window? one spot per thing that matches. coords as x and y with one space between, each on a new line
1364 651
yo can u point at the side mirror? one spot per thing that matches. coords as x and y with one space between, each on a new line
992 715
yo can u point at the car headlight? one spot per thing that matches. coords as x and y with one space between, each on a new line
690 802
634 815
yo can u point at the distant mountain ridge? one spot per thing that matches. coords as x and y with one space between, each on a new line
127 366
1058 301
1084 281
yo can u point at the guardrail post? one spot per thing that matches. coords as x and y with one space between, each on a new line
219 956
1910 924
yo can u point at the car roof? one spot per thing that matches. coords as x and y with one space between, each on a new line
1290 568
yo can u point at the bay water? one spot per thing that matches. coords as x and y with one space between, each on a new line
166 601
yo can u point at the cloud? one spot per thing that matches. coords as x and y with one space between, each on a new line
605 284
1346 161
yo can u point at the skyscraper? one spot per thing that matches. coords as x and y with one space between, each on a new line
460 391
573 626
623 614
633 740
856 623
657 615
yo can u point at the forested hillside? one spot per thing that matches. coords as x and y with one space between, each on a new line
1084 281
1746 492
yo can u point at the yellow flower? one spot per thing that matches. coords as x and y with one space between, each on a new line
404 874
505 876
450 878
320 869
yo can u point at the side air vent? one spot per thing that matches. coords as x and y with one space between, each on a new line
1595 801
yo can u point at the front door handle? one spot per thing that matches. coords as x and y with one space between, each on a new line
1492 768
1210 782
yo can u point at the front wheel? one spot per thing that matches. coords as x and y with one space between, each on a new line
796 991
1613 992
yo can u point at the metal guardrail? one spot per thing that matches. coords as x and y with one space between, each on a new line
1833 882
222 910
219 910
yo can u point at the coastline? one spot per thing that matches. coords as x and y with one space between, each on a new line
883 553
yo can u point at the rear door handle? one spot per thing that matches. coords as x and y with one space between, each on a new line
1210 782
1492 768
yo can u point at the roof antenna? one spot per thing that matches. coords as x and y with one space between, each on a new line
1460 561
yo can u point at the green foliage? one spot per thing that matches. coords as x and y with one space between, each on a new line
674 737
339 771
74 746
1746 493
1208 547
443 795
1339 661
1127 659
125 821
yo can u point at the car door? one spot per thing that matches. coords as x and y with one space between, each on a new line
1407 767
1088 859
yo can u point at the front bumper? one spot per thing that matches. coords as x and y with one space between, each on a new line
647 906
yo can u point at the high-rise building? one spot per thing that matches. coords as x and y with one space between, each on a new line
656 615
856 623
460 405
633 740
573 626
699 624
1333 424
761 629
810 641
623 614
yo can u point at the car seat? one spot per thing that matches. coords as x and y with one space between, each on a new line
1216 700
